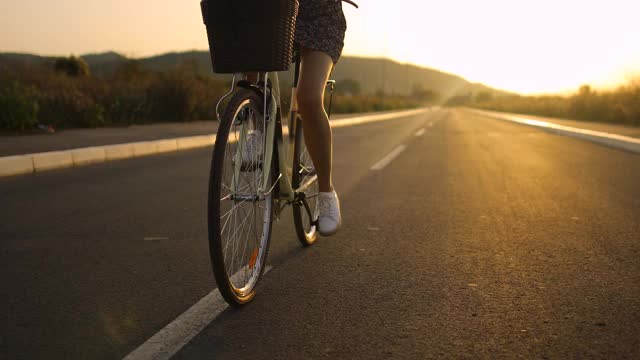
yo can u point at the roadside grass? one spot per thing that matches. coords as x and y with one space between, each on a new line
617 106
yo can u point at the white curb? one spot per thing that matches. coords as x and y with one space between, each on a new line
612 140
195 142
16 165
163 146
52 160
29 163
117 152
88 155
375 118
143 148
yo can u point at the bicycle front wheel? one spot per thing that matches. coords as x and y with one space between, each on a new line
305 214
240 203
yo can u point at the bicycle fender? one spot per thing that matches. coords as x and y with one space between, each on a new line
245 84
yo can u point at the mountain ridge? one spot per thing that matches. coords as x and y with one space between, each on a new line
373 74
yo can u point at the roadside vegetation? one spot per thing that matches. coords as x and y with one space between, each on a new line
348 98
617 106
64 93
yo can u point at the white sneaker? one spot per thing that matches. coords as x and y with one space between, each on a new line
252 150
329 218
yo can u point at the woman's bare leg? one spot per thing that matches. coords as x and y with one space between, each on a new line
314 73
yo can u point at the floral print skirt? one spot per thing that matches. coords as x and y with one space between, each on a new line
321 25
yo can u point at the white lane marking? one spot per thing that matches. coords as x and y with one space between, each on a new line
389 158
173 337
155 238
420 132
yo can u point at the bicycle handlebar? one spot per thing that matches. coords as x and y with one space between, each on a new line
351 3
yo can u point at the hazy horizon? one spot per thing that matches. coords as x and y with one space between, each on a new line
531 47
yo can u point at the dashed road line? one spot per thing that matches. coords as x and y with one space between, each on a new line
389 158
420 132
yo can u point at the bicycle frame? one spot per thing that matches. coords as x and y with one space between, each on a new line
275 139
275 132
285 149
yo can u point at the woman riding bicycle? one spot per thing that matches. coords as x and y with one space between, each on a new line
251 178
320 31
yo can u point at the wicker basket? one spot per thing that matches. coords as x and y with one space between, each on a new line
250 35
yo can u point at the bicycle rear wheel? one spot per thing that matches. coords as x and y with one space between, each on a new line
240 205
304 174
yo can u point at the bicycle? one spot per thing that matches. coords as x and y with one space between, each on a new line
257 170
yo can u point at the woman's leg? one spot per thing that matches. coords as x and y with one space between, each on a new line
314 73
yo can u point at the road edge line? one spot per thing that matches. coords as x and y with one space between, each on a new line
621 142
179 332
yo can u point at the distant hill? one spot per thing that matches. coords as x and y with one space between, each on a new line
373 74
393 77
27 59
104 58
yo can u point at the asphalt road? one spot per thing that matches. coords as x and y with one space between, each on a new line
483 239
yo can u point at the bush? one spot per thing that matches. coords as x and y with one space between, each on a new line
71 108
18 107
71 66
171 98
125 104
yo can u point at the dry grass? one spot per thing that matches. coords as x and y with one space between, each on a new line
618 106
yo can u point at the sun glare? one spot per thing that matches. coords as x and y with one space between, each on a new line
529 47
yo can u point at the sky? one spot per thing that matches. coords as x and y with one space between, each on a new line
526 46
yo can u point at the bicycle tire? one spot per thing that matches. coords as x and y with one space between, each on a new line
303 169
229 195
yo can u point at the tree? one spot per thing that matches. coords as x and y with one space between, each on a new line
131 70
484 96
585 90
72 66
348 87
420 94
459 100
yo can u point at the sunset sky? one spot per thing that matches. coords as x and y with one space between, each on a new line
524 46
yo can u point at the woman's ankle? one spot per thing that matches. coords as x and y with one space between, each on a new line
329 188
